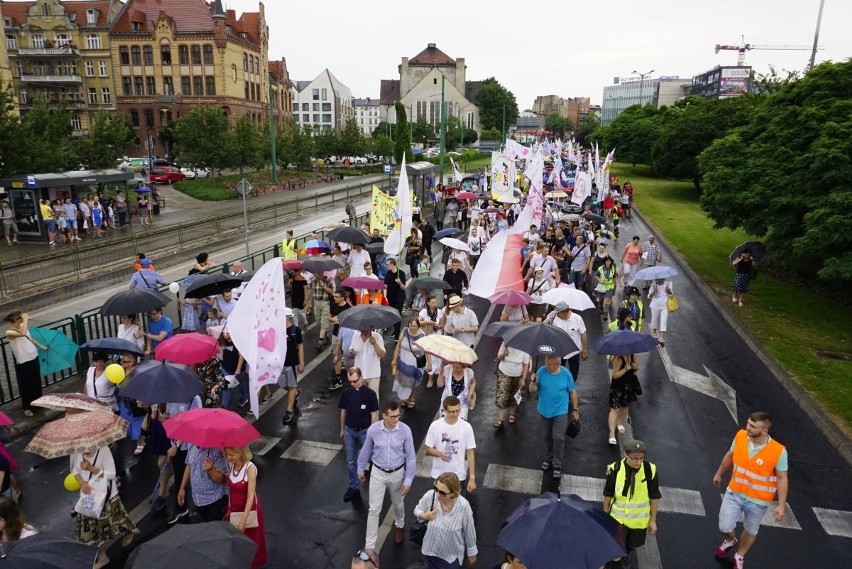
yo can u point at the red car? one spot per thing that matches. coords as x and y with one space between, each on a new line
166 175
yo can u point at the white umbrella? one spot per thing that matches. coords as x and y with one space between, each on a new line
509 199
556 194
455 244
576 299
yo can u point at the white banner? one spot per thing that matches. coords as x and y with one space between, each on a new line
503 175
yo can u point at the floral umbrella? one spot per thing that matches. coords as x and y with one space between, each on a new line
65 401
80 432
448 349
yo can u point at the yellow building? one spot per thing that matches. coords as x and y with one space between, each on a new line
59 53
5 70
169 57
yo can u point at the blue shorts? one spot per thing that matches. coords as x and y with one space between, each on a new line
735 506
72 223
50 225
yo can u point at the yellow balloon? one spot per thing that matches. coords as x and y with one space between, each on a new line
71 483
115 373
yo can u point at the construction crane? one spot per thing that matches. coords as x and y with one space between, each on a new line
744 47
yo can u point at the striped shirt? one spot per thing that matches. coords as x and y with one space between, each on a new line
449 536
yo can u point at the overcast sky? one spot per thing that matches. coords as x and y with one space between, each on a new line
538 48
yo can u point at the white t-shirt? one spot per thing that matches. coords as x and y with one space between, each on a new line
23 348
356 261
129 333
366 357
513 364
100 387
424 316
575 327
658 296
476 243
453 440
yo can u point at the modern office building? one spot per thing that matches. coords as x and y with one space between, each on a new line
628 91
722 82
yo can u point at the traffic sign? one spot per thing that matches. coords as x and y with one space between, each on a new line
243 187
387 168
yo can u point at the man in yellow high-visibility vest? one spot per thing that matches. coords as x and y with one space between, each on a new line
288 247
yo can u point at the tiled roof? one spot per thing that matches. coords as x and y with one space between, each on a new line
301 85
389 91
188 15
20 10
368 102
432 56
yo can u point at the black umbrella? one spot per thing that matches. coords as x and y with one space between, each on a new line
211 285
163 382
592 217
211 545
45 551
540 340
349 235
448 232
500 329
245 276
133 302
625 342
758 251
320 265
112 346
366 316
430 283
375 248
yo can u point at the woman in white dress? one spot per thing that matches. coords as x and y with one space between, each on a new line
129 330
97 384
407 374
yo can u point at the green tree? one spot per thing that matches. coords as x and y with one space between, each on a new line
492 100
453 134
326 143
202 138
558 125
247 144
786 175
109 134
384 128
45 144
402 140
422 131
633 133
350 140
294 145
167 138
10 125
587 126
490 134
383 145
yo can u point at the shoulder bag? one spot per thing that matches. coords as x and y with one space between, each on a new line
419 360
92 504
417 531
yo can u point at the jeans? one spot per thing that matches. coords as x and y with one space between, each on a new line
554 439
214 512
353 441
578 278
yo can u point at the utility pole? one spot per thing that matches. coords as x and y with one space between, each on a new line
272 136
441 150
816 35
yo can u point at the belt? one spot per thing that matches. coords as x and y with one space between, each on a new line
391 470
356 429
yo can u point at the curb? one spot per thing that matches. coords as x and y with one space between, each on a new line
826 425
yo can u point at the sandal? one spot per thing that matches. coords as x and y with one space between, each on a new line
511 419
498 424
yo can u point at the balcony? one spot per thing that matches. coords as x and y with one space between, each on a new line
53 79
49 52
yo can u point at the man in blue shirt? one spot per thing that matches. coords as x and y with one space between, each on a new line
146 278
555 388
359 408
159 328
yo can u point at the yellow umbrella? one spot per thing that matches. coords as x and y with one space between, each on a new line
448 349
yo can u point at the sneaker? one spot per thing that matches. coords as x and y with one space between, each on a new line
159 503
557 474
242 402
177 515
725 547
77 239
336 384
739 562
546 465
52 243
288 417
350 494
266 398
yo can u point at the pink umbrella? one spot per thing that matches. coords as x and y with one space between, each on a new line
511 298
188 349
211 428
292 265
363 282
466 196
5 420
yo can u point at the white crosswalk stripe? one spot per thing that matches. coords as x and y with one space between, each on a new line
835 522
312 451
789 521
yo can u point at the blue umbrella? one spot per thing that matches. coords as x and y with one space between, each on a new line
656 272
163 382
561 532
449 232
112 346
624 342
143 190
60 353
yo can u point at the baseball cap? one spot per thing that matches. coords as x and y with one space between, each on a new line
145 262
560 306
634 446
288 312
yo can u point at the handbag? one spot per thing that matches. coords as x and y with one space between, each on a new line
419 360
601 288
573 429
672 304
251 520
417 531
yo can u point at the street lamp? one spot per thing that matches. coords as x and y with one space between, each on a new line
642 82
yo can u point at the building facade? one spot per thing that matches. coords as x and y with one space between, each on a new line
322 104
167 61
59 53
5 69
628 91
368 114
281 91
722 82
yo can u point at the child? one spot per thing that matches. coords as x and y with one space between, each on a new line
423 267
62 224
110 214
213 318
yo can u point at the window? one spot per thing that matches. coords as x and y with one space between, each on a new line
125 86
306 118
196 55
324 95
316 117
185 86
168 86
135 55
326 118
93 41
19 68
134 117
37 41
67 68
251 91
76 123
208 54
149 118
148 55
138 89
106 98
91 16
246 89
245 62
234 72
166 54
150 86
124 55
137 26
326 106
102 68
256 65
11 42
183 55
197 85
24 97
210 86
316 106
295 117
63 39
90 68
306 106
93 96
315 95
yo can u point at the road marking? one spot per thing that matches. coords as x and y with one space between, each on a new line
709 384
789 521
648 556
312 451
513 479
835 522
263 445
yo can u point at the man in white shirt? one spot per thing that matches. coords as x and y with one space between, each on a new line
451 443
459 321
532 235
563 317
358 257
368 348
237 269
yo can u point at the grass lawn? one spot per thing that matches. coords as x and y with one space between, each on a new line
793 324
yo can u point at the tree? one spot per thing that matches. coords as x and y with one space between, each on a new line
383 128
45 144
402 140
491 134
109 135
587 126
633 132
326 143
202 138
350 140
247 144
492 100
422 131
383 145
453 134
558 125
786 175
10 126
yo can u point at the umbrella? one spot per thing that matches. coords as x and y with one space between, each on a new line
624 342
366 316
363 282
6 420
317 265
510 298
245 276
348 234
430 283
163 382
448 232
292 265
576 299
571 217
592 217
60 353
556 194
211 428
375 248
655 272
212 284
65 401
315 247
189 349
491 209
500 329
540 339
447 348
211 545
112 346
466 196
142 190
561 532
758 251
79 432
45 551
133 301
454 244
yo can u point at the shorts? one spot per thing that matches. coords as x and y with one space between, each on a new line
634 538
287 377
72 223
50 225
735 505
10 227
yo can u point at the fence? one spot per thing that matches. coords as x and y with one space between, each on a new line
90 325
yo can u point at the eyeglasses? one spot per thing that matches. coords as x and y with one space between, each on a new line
126 361
364 556
397 416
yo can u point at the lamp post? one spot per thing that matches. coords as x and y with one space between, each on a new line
642 82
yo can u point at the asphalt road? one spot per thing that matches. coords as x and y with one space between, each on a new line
303 468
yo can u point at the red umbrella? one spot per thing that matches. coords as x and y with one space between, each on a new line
211 428
466 196
188 349
292 265
363 282
511 298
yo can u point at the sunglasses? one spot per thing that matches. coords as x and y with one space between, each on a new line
363 556
443 493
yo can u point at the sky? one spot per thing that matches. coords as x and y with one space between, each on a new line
538 48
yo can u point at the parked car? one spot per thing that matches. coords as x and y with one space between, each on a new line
166 175
193 173
358 160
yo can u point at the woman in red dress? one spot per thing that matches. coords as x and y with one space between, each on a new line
243 504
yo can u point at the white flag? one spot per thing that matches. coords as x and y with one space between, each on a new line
402 215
